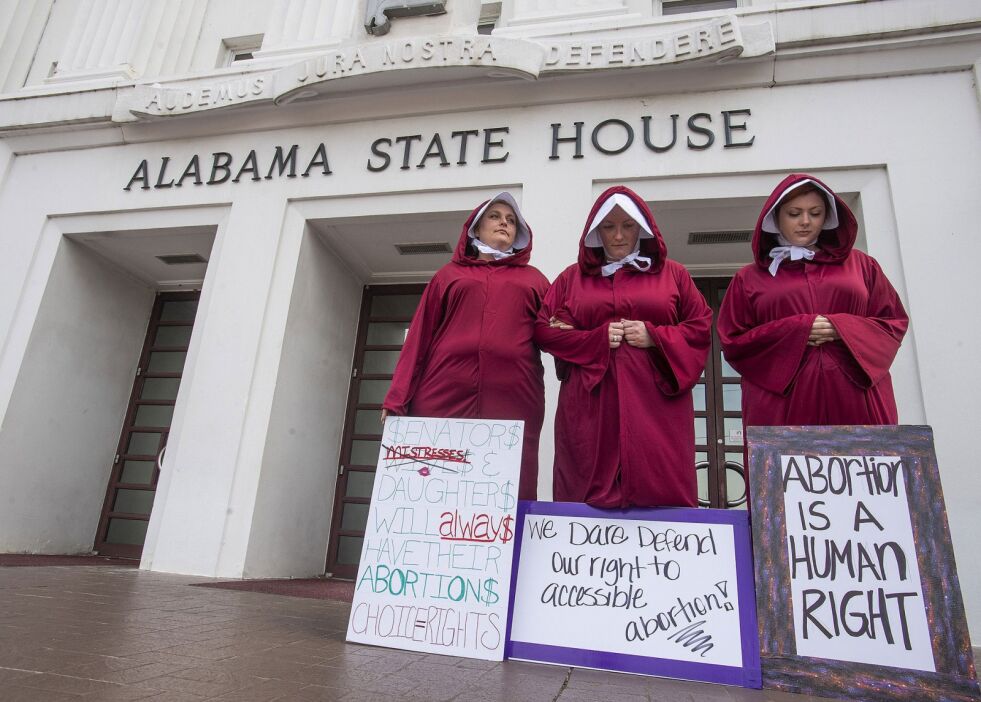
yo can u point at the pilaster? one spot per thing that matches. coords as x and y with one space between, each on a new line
169 37
306 26
21 26
515 13
127 39
102 40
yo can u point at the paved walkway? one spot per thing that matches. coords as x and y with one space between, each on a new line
112 633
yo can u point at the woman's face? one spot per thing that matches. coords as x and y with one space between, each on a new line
801 218
498 226
619 232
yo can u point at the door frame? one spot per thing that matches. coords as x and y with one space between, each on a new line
717 444
134 551
348 435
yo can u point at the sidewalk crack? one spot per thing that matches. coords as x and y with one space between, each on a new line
565 684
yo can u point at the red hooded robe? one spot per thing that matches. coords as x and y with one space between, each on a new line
765 322
624 428
469 353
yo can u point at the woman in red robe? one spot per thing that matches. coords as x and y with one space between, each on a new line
469 352
813 325
630 334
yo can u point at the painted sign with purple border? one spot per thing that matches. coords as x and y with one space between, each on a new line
666 591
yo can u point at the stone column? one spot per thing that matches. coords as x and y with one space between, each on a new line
127 39
21 28
102 40
169 37
535 12
305 26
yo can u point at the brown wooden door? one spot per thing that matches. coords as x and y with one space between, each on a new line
136 467
718 419
385 315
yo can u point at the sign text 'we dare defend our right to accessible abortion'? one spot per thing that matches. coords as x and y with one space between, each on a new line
663 591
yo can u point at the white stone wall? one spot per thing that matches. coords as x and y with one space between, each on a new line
307 416
67 405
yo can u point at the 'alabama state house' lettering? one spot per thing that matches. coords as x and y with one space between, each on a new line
646 136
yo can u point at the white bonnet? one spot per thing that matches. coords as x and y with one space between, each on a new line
830 221
523 236
627 205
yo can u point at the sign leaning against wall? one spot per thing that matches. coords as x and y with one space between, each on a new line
857 588
435 570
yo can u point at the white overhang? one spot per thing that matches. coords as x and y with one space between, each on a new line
783 44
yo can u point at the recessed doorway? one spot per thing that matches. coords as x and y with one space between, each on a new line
717 398
386 311
143 443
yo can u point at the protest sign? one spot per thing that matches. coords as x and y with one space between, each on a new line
664 591
435 567
856 583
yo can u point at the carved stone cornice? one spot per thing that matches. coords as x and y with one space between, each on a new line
381 64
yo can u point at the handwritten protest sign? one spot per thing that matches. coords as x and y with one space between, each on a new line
857 586
657 591
853 567
435 568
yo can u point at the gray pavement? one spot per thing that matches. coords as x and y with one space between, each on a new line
113 633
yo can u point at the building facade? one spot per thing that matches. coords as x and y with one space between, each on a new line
216 217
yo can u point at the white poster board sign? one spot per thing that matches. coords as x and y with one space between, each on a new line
855 582
658 591
435 570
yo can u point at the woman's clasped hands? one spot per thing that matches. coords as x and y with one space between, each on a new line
631 331
822 331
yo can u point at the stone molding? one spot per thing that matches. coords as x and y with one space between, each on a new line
347 68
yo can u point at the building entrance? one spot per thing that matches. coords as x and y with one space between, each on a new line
718 419
386 311
143 443
385 315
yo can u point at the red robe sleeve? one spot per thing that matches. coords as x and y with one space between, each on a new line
588 349
769 354
874 339
415 351
680 350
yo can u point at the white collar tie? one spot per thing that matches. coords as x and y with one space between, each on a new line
641 263
485 249
779 254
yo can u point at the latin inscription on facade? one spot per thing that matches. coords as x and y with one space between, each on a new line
158 100
452 50
313 75
718 39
